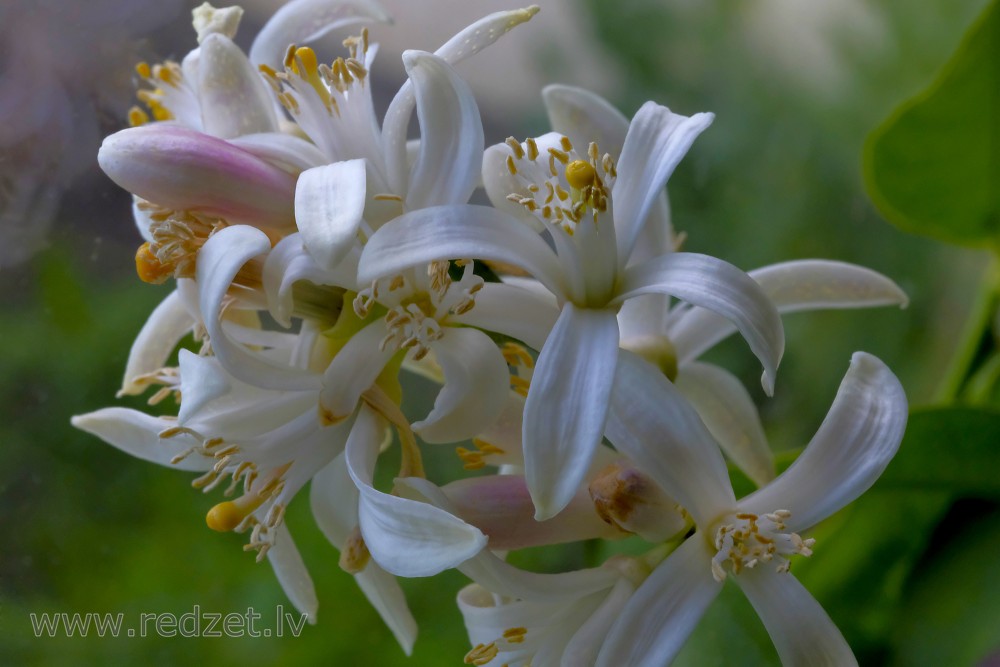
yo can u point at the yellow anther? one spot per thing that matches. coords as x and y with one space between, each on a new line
532 149
143 70
481 654
580 174
515 146
268 71
511 167
149 267
137 117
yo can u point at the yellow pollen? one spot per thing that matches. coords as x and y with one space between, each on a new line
143 70
137 117
580 174
149 267
481 654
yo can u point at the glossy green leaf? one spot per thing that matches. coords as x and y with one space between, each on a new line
933 168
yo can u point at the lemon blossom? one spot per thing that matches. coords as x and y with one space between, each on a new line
753 538
594 210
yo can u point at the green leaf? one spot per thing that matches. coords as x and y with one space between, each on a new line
956 450
953 610
933 168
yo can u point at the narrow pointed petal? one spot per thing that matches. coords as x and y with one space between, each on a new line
138 434
219 260
652 424
406 537
799 627
476 384
329 203
183 169
657 140
450 156
852 447
303 21
458 232
663 612
292 574
586 644
513 311
334 501
718 286
202 381
567 404
234 98
731 417
811 284
161 333
286 151
585 117
466 43
500 577
354 369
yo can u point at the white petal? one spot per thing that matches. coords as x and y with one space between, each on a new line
476 384
468 42
302 21
289 262
291 153
719 286
451 134
354 369
334 501
513 311
731 417
292 573
811 284
458 232
234 98
406 537
219 260
202 381
137 433
652 424
329 203
567 404
502 578
657 140
801 631
585 645
852 447
664 610
161 333
585 117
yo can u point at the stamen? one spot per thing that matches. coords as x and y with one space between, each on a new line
753 539
481 654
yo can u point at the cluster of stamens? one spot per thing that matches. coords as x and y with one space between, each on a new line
562 185
483 654
177 238
415 316
301 65
753 539
518 358
169 74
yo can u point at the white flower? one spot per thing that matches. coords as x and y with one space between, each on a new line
594 210
752 538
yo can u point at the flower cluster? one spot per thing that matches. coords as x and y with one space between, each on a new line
319 256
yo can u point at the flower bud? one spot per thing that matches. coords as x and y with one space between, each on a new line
628 499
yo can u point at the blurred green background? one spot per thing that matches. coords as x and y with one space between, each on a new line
89 529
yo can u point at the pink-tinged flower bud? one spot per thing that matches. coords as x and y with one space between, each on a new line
628 499
181 169
501 507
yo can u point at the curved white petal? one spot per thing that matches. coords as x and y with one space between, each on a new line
169 322
406 537
202 381
451 134
289 262
652 424
852 447
354 369
499 182
219 260
467 42
567 404
657 140
731 417
500 577
334 501
292 573
137 433
719 286
513 311
302 21
665 609
810 284
476 384
801 631
329 203
234 98
291 153
585 117
586 643
458 232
